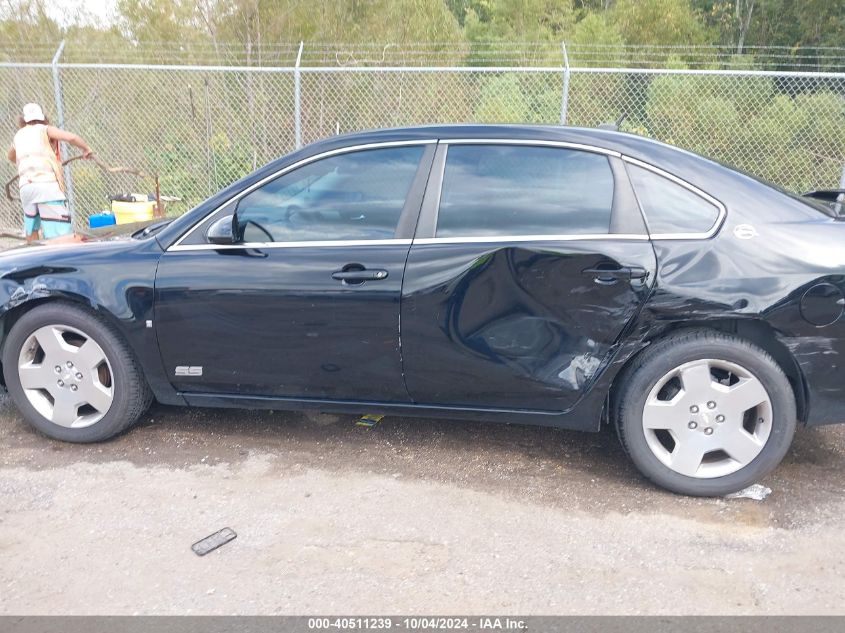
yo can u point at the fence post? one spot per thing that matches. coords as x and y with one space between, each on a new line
60 122
840 199
564 101
297 97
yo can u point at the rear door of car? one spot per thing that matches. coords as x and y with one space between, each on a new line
529 260
306 304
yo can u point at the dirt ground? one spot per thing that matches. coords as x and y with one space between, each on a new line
412 516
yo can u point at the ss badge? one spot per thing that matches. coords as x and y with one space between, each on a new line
185 370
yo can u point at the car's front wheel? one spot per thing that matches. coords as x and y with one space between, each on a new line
72 375
705 413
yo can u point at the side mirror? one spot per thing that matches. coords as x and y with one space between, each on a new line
222 231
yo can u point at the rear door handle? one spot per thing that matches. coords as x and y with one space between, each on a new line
621 272
358 276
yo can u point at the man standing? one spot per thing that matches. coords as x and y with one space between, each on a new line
35 151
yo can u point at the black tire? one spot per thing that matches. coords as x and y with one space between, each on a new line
647 369
131 394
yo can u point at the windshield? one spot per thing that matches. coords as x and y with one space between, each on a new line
150 230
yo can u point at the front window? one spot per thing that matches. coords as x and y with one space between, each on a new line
354 196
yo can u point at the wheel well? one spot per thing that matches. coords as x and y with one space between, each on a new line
758 332
11 317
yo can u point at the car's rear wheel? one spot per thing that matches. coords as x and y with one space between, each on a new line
72 375
705 413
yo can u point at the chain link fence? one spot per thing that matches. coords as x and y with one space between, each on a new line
201 127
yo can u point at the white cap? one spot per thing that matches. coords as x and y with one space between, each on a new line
32 112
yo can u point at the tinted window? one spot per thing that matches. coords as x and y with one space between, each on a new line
352 196
521 190
669 207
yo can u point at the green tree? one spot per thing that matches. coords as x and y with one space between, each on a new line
501 100
650 22
535 26
27 33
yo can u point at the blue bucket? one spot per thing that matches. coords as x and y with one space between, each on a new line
101 219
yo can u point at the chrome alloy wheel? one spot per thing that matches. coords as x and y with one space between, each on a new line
66 376
707 418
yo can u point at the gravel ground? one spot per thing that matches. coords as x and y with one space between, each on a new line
412 516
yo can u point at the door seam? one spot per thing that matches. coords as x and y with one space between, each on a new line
402 283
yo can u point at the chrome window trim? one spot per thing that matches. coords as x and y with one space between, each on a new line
538 142
177 246
723 212
266 245
492 239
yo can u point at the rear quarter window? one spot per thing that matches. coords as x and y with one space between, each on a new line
669 207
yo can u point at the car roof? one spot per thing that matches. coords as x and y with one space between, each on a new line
687 165
607 139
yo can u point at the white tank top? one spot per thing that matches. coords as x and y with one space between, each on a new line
35 157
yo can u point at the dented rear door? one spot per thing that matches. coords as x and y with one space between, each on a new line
528 263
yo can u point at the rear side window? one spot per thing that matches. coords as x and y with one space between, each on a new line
669 207
501 190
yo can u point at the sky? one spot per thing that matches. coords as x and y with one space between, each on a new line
96 11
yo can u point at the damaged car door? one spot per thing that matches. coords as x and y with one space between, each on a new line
528 262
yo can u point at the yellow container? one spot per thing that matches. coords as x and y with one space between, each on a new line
128 212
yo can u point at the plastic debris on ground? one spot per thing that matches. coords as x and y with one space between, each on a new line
213 541
758 492
369 421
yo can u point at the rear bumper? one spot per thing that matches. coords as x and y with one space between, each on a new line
820 355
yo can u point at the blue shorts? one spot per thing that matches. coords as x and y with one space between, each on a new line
49 228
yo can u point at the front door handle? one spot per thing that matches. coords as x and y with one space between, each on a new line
359 276
610 275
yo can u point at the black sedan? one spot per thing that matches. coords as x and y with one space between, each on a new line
555 276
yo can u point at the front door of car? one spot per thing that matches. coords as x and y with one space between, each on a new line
305 302
528 264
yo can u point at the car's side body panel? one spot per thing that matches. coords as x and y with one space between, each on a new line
515 325
762 279
115 278
273 322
